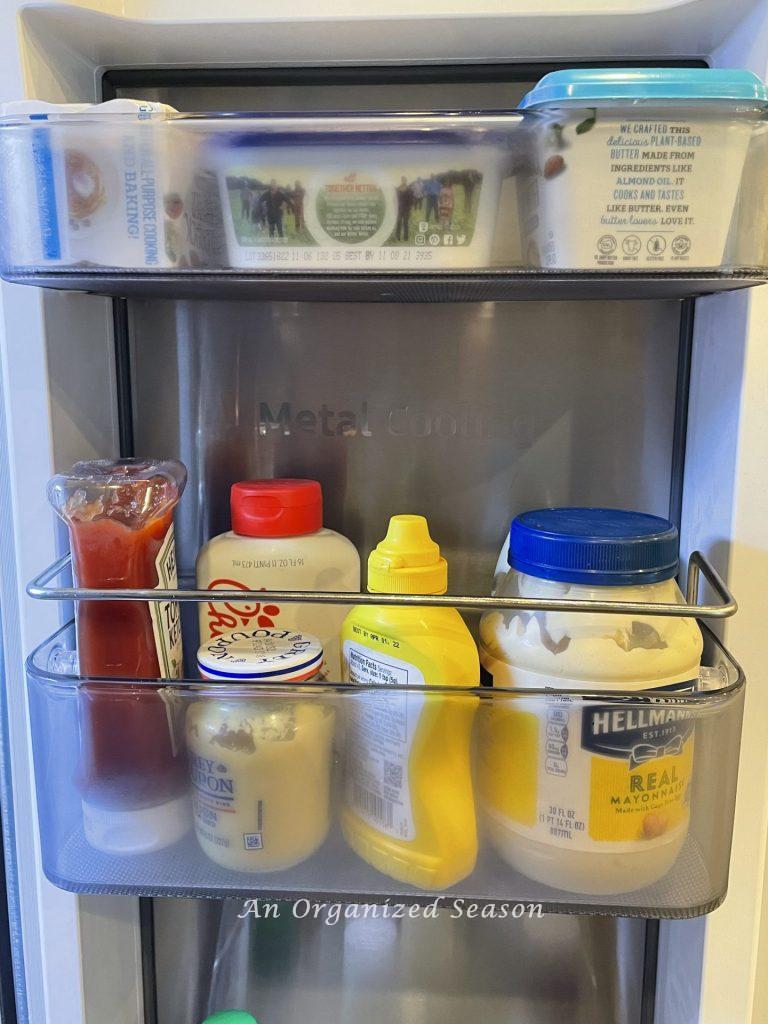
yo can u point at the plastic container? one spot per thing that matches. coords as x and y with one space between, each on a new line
625 163
695 884
556 186
409 807
592 799
260 770
131 771
278 542
139 187
94 185
341 193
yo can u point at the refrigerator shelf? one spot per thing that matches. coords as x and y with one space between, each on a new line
92 842
515 284
134 198
698 566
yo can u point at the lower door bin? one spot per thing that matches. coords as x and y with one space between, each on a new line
515 801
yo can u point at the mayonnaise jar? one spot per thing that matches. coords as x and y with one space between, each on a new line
583 795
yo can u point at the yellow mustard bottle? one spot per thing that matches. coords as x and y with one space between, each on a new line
408 806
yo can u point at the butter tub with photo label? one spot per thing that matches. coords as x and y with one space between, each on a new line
355 194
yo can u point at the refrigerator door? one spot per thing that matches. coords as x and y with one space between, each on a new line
82 959
69 953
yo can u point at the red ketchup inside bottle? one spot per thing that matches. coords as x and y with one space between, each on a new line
132 774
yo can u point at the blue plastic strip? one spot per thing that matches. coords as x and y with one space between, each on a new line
367 137
42 160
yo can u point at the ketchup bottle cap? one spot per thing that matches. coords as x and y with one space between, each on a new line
276 508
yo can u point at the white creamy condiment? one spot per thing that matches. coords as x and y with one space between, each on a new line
582 794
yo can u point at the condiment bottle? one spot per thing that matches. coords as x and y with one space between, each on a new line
132 773
278 542
409 808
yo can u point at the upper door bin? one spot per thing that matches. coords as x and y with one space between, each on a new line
603 174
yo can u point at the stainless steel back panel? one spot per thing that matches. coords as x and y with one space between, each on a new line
450 970
467 413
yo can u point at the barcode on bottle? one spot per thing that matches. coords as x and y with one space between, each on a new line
382 811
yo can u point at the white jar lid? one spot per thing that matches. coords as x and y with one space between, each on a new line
261 655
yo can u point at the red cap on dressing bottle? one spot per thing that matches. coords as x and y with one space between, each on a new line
276 508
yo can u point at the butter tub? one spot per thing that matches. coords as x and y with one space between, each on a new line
642 169
355 193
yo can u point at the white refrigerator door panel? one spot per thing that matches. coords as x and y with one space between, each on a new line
110 33
725 512
80 955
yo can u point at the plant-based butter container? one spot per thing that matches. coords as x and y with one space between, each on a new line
113 184
638 168
357 193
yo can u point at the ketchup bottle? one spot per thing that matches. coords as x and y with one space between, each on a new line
132 774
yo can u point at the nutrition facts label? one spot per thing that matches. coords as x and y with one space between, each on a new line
556 741
380 732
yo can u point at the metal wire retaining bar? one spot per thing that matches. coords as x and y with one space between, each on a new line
698 566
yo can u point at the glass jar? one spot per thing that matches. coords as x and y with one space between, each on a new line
260 763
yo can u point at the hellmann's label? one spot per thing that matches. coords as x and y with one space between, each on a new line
572 772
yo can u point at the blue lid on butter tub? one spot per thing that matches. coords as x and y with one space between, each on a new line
601 546
590 85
